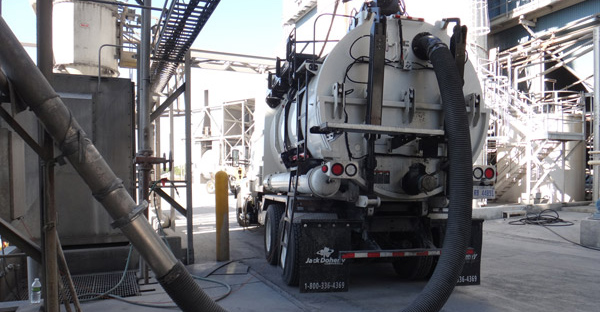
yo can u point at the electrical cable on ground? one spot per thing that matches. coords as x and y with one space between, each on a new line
107 294
547 218
162 233
99 296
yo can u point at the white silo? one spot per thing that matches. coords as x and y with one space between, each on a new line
79 29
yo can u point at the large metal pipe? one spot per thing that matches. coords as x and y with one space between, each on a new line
70 138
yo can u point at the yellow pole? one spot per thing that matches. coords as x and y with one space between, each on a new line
222 214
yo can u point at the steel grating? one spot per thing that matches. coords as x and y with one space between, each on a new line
179 27
89 286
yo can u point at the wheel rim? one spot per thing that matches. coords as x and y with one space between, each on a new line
283 256
268 237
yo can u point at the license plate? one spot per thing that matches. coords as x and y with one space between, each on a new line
484 192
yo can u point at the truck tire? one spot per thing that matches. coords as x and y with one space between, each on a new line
289 257
242 214
274 213
415 268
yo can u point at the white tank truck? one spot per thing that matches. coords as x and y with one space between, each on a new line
368 154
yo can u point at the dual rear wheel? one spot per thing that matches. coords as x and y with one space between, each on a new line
285 255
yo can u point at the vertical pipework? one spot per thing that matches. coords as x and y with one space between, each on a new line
74 144
144 109
145 144
145 103
596 125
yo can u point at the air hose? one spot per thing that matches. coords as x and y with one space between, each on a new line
460 190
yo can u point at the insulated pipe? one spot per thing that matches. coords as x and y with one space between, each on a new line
313 182
460 189
105 186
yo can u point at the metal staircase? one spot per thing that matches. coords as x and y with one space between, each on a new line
179 25
528 130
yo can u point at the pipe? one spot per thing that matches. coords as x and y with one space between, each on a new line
91 166
145 97
458 229
596 110
313 182
144 108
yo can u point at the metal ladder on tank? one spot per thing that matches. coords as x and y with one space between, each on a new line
300 158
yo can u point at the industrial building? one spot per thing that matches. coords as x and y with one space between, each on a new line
112 136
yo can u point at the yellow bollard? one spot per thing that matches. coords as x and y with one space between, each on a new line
222 214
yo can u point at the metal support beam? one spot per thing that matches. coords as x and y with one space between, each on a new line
23 134
188 160
171 201
159 110
45 62
376 72
11 234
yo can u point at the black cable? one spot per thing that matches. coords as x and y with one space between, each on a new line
164 235
547 218
353 43
544 218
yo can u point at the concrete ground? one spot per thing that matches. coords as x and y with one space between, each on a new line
523 268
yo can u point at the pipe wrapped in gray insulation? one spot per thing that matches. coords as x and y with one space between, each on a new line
314 182
35 90
460 192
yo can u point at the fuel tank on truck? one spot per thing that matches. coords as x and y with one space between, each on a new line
411 133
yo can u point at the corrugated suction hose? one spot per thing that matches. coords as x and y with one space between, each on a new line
458 230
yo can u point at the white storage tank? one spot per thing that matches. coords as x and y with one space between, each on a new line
80 28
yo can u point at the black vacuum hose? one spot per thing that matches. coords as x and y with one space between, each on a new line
458 229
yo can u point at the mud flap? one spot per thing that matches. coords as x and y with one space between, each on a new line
321 269
471 270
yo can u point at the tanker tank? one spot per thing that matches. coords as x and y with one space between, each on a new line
368 154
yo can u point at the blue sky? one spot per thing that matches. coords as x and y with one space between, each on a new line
246 27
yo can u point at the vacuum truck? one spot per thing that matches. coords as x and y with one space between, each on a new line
368 153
